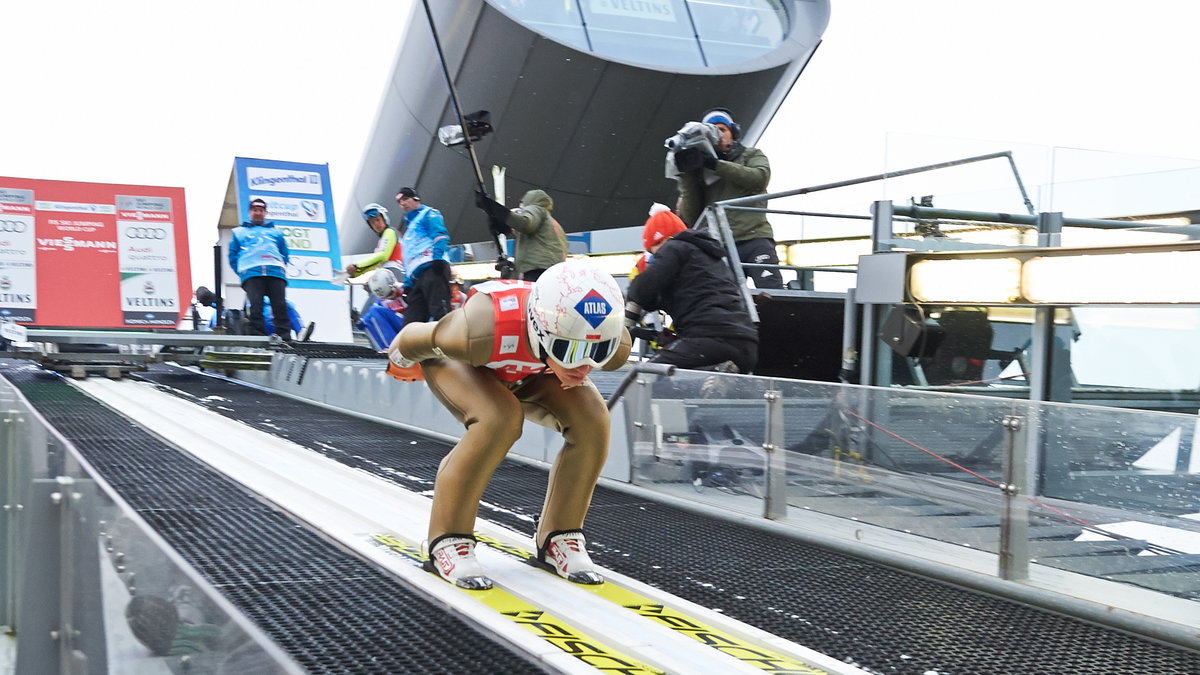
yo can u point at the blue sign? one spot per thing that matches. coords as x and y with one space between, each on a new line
300 204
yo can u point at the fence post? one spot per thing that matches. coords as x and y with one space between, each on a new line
1014 519
11 448
775 506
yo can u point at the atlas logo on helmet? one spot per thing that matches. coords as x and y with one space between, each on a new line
593 308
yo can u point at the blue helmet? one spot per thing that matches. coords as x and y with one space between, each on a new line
371 210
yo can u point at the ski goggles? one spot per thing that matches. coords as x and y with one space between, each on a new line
576 353
367 215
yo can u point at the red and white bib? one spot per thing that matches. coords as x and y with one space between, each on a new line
511 358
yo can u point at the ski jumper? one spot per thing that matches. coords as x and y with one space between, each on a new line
388 254
478 362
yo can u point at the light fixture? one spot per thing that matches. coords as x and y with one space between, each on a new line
1158 274
988 281
1168 277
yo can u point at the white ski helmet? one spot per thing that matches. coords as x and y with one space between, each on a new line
371 210
575 315
382 284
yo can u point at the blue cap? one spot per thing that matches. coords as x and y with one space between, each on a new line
718 117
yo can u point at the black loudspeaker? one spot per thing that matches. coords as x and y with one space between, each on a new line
799 337
909 334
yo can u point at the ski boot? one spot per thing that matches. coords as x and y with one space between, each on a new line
452 557
565 553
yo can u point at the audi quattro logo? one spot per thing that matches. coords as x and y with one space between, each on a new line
13 225
156 233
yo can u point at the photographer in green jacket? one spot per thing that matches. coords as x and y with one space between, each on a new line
736 171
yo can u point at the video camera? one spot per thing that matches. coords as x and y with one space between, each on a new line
479 124
688 148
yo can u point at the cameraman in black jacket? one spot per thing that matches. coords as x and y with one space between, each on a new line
687 278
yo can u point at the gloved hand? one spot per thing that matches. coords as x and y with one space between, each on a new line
405 370
482 199
710 162
493 208
644 332
506 268
411 373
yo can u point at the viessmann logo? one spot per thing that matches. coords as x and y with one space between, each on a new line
144 215
71 243
154 233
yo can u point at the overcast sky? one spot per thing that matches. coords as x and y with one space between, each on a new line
167 93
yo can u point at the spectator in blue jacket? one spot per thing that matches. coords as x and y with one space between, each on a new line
425 241
259 255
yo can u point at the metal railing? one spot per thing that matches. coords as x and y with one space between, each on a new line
714 216
85 582
1029 492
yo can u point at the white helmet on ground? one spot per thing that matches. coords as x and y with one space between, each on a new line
575 315
371 210
382 284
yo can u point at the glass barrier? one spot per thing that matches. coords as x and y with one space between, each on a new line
1107 493
89 587
701 438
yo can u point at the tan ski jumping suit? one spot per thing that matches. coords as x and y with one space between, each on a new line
453 353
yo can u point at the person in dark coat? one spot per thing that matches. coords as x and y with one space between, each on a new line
687 277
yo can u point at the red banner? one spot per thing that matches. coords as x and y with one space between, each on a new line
93 255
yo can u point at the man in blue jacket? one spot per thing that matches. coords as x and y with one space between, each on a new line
425 241
259 255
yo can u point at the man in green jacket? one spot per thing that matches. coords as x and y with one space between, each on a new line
540 242
736 171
